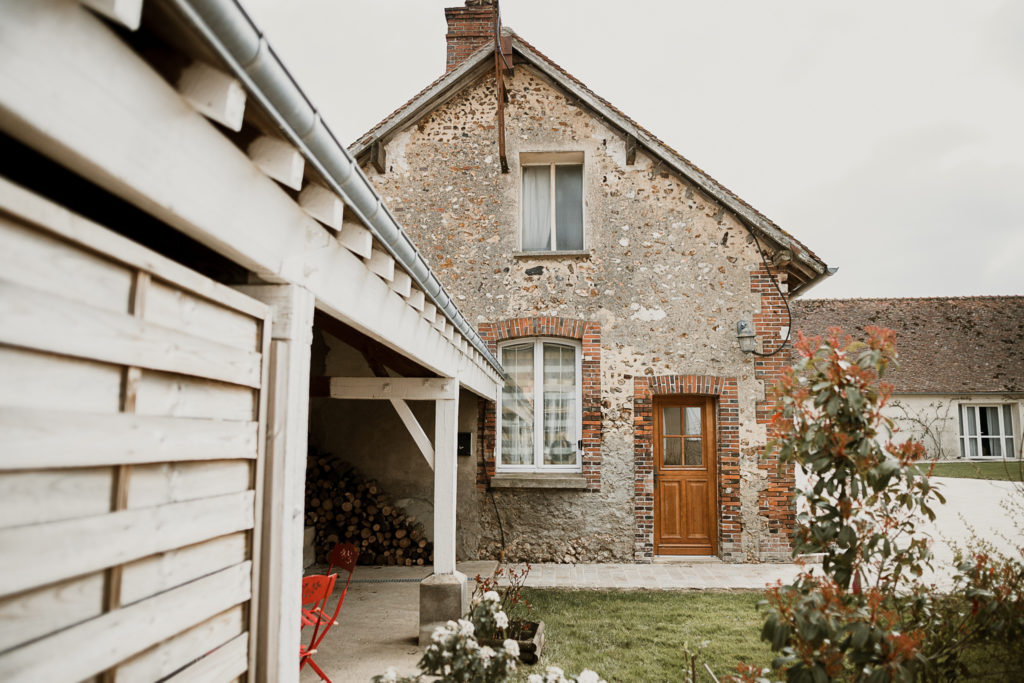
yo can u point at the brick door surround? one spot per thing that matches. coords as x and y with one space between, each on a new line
725 391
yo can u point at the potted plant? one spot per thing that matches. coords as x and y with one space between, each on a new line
512 621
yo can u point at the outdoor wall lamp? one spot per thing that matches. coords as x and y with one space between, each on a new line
745 334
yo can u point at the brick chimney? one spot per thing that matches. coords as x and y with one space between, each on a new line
469 27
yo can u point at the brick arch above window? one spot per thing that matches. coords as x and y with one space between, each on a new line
589 335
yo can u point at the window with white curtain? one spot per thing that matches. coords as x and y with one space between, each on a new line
540 406
986 431
552 202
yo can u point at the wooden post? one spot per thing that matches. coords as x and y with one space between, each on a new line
446 426
285 479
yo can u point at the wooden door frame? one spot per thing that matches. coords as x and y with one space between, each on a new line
709 435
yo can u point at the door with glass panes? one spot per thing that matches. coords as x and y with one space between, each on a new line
685 494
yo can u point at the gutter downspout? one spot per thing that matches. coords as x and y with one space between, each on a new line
233 36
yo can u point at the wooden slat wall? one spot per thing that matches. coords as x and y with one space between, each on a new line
131 432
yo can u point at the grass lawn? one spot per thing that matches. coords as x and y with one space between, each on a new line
639 635
1003 471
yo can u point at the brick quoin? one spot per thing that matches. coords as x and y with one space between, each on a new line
775 504
589 336
725 390
468 29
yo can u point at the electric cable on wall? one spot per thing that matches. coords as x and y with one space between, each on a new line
785 300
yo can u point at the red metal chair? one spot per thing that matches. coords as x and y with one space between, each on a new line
316 591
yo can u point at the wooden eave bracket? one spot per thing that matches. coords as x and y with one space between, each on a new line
378 156
631 145
507 56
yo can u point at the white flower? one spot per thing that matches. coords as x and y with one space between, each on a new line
554 675
492 596
465 628
588 676
511 647
486 653
439 634
535 678
501 620
390 676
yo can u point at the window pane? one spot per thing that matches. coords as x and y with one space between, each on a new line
1007 421
988 420
517 405
991 447
670 420
972 427
672 452
693 420
974 446
569 207
963 449
536 208
960 413
560 435
694 453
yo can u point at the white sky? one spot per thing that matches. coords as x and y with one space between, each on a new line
887 136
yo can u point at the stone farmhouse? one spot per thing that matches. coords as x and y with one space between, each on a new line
960 385
618 284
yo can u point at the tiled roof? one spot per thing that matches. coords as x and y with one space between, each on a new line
448 80
945 345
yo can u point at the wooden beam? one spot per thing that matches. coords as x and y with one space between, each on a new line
226 663
401 283
380 263
378 156
446 427
214 94
64 56
631 145
284 483
385 388
416 299
128 13
323 205
80 652
356 239
162 660
44 553
405 414
278 159
429 312
48 322
38 438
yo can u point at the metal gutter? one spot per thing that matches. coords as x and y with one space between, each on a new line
229 31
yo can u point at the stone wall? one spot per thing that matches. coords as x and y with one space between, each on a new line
666 274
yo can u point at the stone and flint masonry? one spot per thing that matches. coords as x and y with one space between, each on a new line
608 273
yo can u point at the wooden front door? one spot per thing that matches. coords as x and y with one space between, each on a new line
685 491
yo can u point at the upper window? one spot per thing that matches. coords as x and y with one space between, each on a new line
986 431
540 406
552 202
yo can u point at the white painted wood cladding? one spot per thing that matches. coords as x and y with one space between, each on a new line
132 424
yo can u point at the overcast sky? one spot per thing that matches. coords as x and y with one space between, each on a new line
886 135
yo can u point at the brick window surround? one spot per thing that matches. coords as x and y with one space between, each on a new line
589 336
727 421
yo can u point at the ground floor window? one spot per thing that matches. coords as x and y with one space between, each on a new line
540 406
986 431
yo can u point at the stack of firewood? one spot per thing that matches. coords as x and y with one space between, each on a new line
345 507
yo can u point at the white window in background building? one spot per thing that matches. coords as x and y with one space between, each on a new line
986 431
540 415
552 202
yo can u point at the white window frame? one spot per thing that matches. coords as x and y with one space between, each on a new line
1006 432
538 407
551 160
